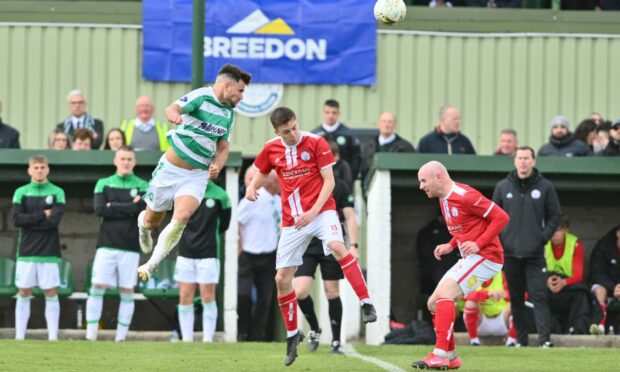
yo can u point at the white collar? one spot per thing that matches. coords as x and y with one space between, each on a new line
301 136
383 140
151 122
331 128
451 190
75 119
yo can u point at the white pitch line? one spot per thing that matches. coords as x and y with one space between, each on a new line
349 350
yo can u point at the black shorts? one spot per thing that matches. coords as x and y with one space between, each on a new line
330 268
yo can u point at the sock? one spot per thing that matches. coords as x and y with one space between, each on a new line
288 308
307 307
186 321
444 325
167 240
125 314
604 318
512 332
470 317
22 314
94 304
52 315
353 273
141 220
209 320
335 317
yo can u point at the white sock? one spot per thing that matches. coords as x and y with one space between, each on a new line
141 220
167 240
186 321
52 315
440 353
209 320
125 313
291 333
474 340
22 314
94 305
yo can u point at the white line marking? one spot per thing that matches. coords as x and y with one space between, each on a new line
349 350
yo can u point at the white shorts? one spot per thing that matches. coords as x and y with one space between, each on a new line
293 242
115 268
197 270
472 271
492 326
45 275
169 181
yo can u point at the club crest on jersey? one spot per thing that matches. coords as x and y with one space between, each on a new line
472 281
341 140
133 193
509 195
210 203
277 160
305 156
49 199
535 194
455 212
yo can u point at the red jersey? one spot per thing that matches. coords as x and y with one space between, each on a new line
299 172
472 217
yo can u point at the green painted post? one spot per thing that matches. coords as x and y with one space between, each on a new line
198 36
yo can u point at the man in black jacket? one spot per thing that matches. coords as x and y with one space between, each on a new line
534 209
605 272
613 146
562 142
335 131
386 141
446 138
79 118
9 136
117 202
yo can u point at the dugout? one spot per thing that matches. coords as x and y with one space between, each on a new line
587 187
77 173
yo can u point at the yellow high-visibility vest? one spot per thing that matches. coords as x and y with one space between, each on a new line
128 127
564 265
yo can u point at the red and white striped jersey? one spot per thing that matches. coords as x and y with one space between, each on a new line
298 169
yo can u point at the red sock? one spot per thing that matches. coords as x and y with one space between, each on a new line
444 323
604 308
512 332
288 308
470 317
353 273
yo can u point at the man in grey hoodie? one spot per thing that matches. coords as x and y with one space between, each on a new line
562 141
534 209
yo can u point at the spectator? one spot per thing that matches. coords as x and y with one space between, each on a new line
446 138
114 140
613 147
605 273
562 142
198 261
79 118
569 300
387 141
37 210
487 311
59 140
534 209
82 139
9 136
259 226
598 118
335 131
143 132
342 169
440 4
586 132
494 3
117 202
602 137
507 142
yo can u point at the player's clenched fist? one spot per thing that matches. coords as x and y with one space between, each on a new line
442 249
214 171
173 115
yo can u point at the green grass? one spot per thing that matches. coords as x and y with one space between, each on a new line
161 356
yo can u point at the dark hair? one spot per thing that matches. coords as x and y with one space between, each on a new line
604 126
528 148
334 147
281 116
584 128
235 73
332 103
83 134
106 146
52 138
564 223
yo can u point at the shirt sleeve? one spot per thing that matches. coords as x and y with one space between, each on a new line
482 207
577 276
263 163
323 153
243 212
190 101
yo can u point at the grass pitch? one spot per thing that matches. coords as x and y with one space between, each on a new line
161 356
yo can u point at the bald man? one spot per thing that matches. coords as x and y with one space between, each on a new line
447 138
143 132
474 223
386 141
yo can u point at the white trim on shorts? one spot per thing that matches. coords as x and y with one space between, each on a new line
293 243
115 268
197 270
29 274
470 272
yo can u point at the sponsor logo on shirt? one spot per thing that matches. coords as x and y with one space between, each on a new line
296 173
212 128
455 228
183 99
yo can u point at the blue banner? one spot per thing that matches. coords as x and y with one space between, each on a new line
277 41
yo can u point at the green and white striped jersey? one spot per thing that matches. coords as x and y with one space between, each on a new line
205 121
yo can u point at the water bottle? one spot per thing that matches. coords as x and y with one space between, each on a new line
611 330
79 316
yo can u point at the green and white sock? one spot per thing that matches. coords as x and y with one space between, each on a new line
22 314
186 321
52 315
94 305
125 314
209 320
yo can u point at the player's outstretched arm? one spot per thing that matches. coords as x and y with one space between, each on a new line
251 192
173 114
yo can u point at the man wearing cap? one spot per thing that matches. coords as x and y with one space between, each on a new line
613 147
562 142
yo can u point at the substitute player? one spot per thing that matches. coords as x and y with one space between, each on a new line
198 151
198 262
37 210
117 201
303 162
474 223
